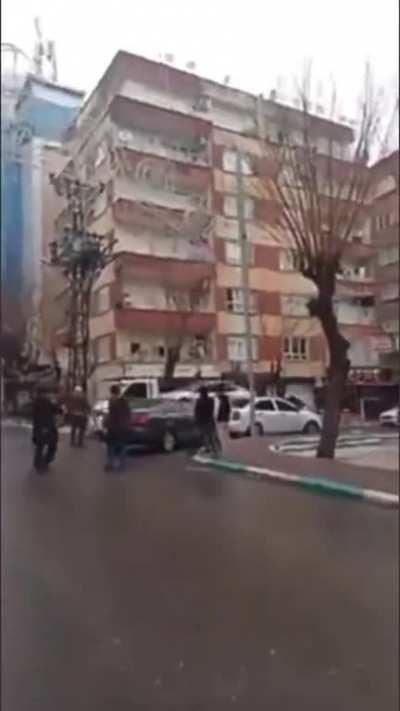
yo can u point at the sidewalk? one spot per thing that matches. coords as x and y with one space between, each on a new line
255 451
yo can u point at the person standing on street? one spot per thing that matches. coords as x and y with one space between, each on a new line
204 418
44 431
224 413
78 412
116 425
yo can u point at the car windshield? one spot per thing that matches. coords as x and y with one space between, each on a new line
240 402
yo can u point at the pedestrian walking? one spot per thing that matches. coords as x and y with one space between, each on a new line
224 413
116 426
205 421
44 430
78 413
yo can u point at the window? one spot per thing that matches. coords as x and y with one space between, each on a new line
103 349
295 348
237 351
289 261
235 301
229 162
134 348
390 292
285 406
230 207
295 305
233 253
389 255
102 300
138 390
265 406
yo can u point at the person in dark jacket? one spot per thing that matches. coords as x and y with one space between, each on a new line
204 418
44 431
78 411
224 413
116 425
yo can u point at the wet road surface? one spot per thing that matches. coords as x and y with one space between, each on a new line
177 589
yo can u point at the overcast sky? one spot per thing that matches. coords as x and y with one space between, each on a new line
254 42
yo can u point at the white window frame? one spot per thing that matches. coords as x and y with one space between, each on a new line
229 162
230 207
390 292
237 348
236 247
289 261
296 348
235 300
388 255
101 342
103 300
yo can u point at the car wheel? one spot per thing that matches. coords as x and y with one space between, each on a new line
258 429
168 442
311 428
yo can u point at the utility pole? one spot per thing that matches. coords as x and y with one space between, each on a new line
82 255
244 264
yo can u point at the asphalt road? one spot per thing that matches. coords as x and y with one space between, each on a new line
176 589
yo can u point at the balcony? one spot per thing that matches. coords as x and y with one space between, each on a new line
167 134
156 321
181 273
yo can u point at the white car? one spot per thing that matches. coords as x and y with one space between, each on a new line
390 418
273 415
190 394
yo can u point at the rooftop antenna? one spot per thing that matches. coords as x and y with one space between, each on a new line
44 50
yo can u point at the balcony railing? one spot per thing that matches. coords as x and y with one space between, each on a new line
155 321
182 273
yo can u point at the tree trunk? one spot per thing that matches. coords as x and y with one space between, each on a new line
172 359
339 364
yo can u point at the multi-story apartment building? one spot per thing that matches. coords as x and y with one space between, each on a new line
385 237
165 142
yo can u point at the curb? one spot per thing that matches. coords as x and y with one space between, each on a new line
319 485
310 446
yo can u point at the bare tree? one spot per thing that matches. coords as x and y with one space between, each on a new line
324 200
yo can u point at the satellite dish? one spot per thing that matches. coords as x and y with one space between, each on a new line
169 58
191 66
227 80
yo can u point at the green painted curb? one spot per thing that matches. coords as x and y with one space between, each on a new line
328 486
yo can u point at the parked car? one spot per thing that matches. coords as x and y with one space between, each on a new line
162 424
214 387
390 418
273 415
138 389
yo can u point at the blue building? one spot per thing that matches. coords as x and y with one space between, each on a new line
38 116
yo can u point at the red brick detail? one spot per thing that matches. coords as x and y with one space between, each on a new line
218 203
266 256
269 303
220 300
269 347
130 112
149 320
318 348
268 211
266 167
222 350
161 76
219 248
218 153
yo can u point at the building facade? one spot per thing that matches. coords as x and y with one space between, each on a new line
165 142
385 237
